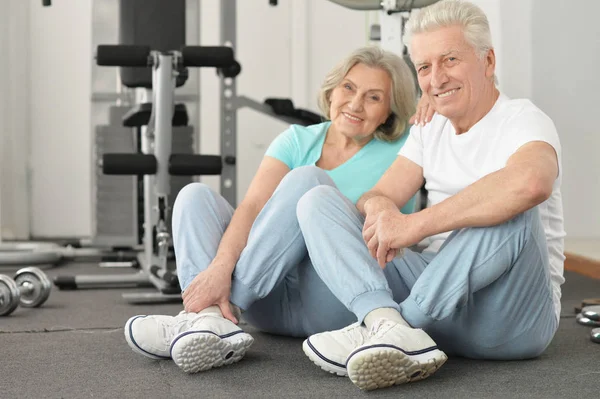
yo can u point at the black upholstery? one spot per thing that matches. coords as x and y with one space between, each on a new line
159 24
139 115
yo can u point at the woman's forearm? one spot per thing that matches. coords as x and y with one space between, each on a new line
236 235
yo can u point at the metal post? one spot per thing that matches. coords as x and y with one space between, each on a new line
164 88
228 108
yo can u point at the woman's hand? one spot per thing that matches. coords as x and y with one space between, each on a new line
424 112
210 287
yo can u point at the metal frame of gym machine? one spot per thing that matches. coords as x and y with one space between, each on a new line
156 163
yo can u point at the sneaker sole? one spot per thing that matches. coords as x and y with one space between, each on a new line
325 364
196 351
382 366
133 344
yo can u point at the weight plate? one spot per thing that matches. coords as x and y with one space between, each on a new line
9 296
581 319
595 336
591 312
34 286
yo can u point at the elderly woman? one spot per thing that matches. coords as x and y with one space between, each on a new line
254 259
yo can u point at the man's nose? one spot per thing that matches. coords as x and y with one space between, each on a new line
439 77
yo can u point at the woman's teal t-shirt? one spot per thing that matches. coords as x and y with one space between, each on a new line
302 145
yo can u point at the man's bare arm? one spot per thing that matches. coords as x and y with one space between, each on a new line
524 182
398 184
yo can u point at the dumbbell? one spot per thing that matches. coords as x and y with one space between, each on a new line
595 335
587 302
30 289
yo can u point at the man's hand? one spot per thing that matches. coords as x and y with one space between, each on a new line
391 232
373 208
210 287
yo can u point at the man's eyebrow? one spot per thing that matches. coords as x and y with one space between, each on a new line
443 55
447 53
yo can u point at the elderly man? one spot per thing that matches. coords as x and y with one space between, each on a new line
487 285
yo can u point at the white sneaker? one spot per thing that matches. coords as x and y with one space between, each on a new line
211 341
151 336
329 350
394 354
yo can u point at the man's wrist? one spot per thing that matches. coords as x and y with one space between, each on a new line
419 220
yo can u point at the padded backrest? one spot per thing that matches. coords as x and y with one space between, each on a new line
159 24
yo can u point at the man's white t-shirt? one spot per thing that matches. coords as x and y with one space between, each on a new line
452 162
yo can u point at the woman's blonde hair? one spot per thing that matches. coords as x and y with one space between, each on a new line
402 93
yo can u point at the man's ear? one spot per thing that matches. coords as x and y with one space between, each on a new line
490 63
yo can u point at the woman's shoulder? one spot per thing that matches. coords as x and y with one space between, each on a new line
310 130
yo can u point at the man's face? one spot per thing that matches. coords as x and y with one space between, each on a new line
451 73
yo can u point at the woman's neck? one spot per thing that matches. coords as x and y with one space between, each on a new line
340 141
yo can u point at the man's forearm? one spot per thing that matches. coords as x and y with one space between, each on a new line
492 200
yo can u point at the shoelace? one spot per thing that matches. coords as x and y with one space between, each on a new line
377 325
356 334
186 320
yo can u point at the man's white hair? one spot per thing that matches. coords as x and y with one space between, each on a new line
468 16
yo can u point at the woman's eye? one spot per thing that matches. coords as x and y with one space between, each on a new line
375 98
347 86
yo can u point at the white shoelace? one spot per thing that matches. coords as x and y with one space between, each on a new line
184 322
375 327
356 334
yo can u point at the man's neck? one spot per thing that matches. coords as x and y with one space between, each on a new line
465 124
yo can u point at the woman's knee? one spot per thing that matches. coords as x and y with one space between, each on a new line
315 200
306 177
192 193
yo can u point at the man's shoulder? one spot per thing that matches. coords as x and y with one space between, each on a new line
521 111
436 126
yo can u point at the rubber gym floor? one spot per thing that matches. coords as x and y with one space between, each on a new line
74 347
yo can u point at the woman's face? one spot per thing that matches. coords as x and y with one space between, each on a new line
361 102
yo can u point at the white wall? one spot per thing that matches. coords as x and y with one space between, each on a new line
565 84
14 119
60 92
543 52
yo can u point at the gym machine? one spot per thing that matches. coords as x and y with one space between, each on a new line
164 161
156 162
